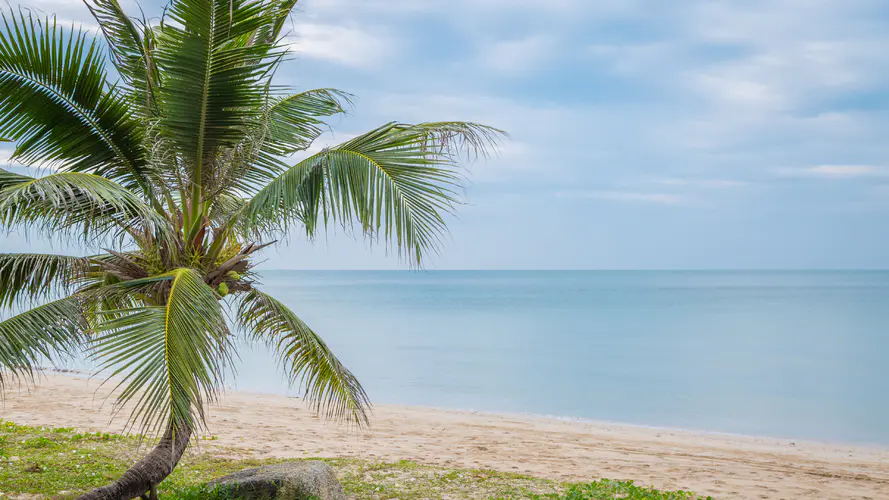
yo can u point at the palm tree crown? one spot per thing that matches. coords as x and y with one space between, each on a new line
177 173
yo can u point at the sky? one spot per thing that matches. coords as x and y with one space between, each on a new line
701 134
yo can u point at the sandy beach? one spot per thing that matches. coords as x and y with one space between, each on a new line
721 465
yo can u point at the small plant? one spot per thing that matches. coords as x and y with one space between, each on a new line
613 490
37 442
196 493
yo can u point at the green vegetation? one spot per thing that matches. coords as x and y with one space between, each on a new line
61 463
608 490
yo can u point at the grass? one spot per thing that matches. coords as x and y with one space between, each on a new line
59 463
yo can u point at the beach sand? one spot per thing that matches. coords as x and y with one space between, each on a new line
724 466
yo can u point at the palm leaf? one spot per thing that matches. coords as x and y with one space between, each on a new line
170 358
293 121
58 327
285 126
35 336
212 79
131 52
8 178
281 10
397 182
56 104
74 203
330 387
224 207
37 276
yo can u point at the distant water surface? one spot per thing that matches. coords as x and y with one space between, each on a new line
788 354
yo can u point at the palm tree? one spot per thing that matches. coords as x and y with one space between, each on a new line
176 175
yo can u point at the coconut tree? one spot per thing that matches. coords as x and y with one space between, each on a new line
174 174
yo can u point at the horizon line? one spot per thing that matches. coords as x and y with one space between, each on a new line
765 269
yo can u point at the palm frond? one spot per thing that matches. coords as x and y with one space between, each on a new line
131 52
285 126
212 78
77 204
57 105
59 327
31 276
331 389
224 207
35 336
170 358
282 10
104 296
276 12
397 181
8 178
293 122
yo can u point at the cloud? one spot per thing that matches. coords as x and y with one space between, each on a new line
85 25
846 170
837 171
542 146
626 196
350 46
516 56
326 140
792 55
757 71
633 58
699 183
6 156
790 75
468 9
68 13
734 89
567 7
7 161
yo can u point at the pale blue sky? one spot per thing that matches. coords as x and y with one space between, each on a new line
645 134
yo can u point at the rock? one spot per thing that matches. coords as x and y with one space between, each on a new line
34 468
298 480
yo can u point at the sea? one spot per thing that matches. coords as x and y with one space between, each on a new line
790 354
794 354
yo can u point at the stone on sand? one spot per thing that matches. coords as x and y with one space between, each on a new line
297 480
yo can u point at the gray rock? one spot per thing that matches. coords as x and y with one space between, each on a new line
298 480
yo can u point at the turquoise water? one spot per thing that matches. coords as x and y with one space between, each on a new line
789 354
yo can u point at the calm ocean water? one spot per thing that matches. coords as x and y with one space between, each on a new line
785 354
789 354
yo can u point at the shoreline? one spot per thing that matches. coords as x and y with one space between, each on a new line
613 423
709 463
81 374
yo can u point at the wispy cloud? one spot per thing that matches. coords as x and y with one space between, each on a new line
699 183
350 46
69 13
626 196
6 156
516 56
836 171
461 8
85 25
847 170
326 140
6 161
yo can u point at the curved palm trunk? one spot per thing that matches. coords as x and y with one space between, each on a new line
144 476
